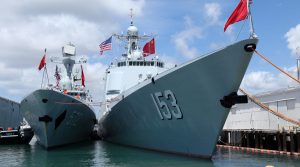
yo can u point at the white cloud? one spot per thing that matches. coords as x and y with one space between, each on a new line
293 39
96 10
262 81
17 83
216 46
212 12
94 80
170 62
29 26
183 38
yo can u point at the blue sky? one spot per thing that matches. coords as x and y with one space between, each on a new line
183 30
272 22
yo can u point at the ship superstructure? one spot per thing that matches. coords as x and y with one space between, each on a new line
132 68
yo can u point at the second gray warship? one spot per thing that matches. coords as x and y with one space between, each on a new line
60 114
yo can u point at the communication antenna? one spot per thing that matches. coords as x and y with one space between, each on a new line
252 31
131 16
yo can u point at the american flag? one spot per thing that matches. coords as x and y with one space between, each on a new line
57 76
106 45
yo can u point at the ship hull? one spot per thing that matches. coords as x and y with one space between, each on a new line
192 94
57 119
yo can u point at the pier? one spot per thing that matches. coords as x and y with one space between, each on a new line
284 142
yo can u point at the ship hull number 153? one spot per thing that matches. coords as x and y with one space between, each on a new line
166 105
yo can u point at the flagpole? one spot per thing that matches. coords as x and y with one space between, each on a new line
43 79
47 74
252 32
46 67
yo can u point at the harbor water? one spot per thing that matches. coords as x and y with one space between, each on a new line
99 153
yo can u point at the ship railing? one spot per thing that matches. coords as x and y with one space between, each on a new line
143 62
9 133
9 136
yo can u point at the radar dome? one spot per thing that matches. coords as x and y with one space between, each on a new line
132 31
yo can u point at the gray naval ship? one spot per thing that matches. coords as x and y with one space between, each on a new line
179 110
60 114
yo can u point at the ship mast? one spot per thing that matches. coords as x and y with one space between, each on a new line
133 50
69 52
252 32
131 16
68 60
132 39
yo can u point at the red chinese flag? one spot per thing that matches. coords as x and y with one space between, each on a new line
240 13
82 77
42 63
149 48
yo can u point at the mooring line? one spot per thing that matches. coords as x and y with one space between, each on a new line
276 66
256 101
280 115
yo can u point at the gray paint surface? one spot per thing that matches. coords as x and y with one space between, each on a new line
76 126
198 86
10 115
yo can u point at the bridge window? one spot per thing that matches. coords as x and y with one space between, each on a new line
133 46
141 63
120 64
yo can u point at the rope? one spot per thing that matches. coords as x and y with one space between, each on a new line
240 31
276 66
227 144
280 115
256 101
